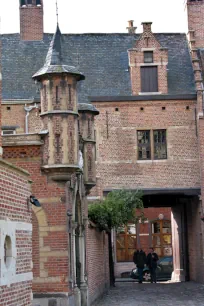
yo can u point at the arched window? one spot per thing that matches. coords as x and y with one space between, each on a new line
126 243
161 237
7 251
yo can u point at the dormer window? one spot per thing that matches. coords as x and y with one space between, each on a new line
148 57
30 2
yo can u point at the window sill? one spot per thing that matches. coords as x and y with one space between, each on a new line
151 161
149 93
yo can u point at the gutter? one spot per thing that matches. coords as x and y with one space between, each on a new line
28 109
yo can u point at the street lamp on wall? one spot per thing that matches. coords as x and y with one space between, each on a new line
34 201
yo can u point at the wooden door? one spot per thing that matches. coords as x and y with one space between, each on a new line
149 79
126 243
162 238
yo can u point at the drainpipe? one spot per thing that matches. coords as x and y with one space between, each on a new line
28 109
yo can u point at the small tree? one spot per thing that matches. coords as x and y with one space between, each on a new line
116 210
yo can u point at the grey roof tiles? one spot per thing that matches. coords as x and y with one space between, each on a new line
102 58
54 61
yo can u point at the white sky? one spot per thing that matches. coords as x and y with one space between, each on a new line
104 16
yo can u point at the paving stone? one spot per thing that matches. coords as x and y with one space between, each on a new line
160 294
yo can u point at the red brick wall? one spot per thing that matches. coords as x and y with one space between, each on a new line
35 247
195 11
0 98
97 263
17 294
51 197
117 163
31 23
14 191
15 116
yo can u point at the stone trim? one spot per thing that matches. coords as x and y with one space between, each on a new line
8 273
162 97
8 165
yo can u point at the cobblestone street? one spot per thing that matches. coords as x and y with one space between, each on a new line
160 294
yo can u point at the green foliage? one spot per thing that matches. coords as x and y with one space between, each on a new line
117 209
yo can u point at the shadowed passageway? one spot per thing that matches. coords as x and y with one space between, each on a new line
160 294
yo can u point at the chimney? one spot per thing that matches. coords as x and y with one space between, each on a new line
131 29
147 26
1 151
31 19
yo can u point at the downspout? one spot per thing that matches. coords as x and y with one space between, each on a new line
28 109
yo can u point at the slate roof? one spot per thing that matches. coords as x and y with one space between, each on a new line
54 61
102 58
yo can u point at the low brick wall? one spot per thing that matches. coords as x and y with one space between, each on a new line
15 237
97 264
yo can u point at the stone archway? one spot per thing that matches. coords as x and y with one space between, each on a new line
43 230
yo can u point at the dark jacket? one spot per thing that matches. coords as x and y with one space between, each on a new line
152 259
139 259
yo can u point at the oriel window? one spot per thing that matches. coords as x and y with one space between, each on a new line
144 145
160 146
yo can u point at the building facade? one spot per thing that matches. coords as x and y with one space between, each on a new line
15 232
135 122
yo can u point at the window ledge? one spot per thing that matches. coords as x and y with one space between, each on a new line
149 93
152 64
149 161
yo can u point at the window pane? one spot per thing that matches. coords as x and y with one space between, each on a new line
168 251
156 241
143 139
148 57
167 239
121 230
166 229
131 229
156 227
160 149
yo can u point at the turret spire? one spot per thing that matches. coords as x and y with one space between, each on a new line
54 62
57 14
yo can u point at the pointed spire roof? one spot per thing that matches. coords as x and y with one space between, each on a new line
53 62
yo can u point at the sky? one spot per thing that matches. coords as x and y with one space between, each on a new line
106 16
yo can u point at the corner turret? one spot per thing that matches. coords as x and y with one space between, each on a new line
59 114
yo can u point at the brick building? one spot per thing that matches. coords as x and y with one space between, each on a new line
142 103
15 232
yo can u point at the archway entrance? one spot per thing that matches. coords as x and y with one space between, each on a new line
178 237
180 202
